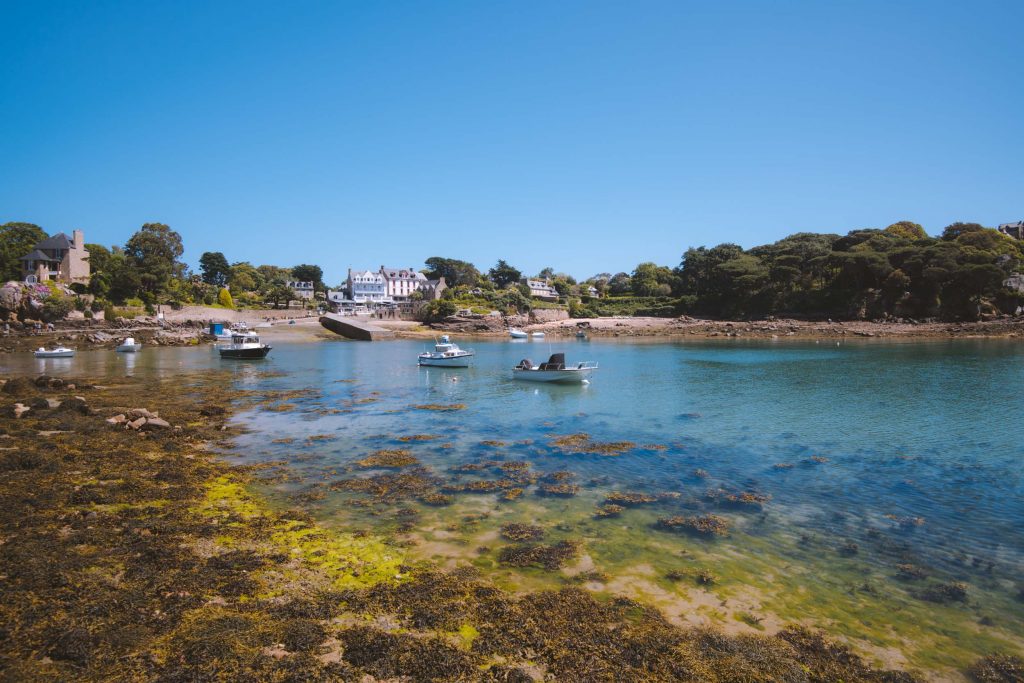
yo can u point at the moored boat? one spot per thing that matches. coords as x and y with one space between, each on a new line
555 370
537 335
447 354
128 346
245 346
56 352
517 334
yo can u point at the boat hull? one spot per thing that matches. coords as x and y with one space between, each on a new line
54 354
515 334
245 354
567 376
129 348
463 361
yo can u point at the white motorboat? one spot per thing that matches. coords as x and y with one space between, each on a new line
447 354
517 334
236 329
537 335
244 346
555 370
128 346
56 352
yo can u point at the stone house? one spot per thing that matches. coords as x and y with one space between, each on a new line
58 258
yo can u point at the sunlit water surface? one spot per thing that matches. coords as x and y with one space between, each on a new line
873 454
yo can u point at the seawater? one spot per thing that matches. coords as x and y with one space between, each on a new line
874 455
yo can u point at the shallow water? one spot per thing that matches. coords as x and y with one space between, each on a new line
910 451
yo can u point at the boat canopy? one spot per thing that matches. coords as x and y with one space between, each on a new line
555 362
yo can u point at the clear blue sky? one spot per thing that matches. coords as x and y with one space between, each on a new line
588 136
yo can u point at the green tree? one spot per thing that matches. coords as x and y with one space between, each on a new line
215 268
305 272
454 271
620 284
503 275
546 274
955 230
225 299
907 230
17 240
153 252
278 293
245 278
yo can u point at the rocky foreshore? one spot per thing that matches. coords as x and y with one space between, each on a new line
772 328
86 334
137 555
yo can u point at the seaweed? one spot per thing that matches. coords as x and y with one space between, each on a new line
707 525
522 532
418 437
583 444
954 591
998 668
910 572
440 407
390 459
550 557
608 510
558 490
512 494
629 499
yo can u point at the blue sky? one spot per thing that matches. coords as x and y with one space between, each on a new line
588 136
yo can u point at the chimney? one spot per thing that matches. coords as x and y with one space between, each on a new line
77 239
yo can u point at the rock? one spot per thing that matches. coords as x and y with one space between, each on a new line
156 423
43 381
39 403
137 424
19 409
18 385
136 413
117 419
70 387
53 402
76 403
55 383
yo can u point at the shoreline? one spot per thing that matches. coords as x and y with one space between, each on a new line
206 578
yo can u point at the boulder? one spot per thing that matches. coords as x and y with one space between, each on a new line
19 385
136 413
76 403
137 424
154 423
39 403
117 419
19 409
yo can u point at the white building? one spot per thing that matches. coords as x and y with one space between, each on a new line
303 290
400 283
366 286
540 289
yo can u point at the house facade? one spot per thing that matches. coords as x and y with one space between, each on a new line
366 286
1014 230
58 258
303 290
540 289
400 283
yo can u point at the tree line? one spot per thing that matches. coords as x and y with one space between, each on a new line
899 271
147 270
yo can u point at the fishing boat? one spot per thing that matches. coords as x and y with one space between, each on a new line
517 334
244 346
447 354
555 370
128 346
56 352
537 335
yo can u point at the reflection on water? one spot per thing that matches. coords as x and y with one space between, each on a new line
874 456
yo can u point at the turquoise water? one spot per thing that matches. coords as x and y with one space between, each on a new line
873 455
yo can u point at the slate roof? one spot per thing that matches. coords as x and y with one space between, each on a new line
58 241
38 255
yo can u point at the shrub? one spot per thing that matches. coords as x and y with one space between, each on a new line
108 312
224 298
89 315
57 308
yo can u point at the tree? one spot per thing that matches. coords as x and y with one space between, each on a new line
17 240
305 272
454 271
278 293
215 268
153 252
907 230
955 230
245 278
224 298
546 274
619 284
503 275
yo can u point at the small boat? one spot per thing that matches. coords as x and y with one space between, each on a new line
244 346
128 346
555 370
517 334
447 354
56 352
537 335
581 335
237 328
